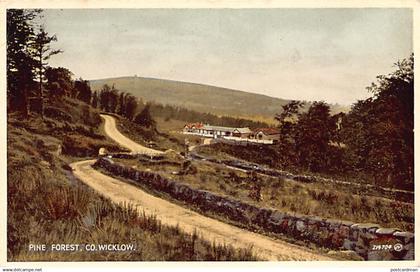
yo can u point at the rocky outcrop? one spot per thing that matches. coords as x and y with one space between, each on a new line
369 241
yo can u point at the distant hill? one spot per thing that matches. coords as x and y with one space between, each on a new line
199 97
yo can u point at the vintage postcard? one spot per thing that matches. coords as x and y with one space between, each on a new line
209 133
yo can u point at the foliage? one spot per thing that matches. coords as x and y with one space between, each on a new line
83 91
28 50
104 97
59 81
144 118
375 139
95 99
114 101
20 60
108 98
42 51
130 106
121 103
180 113
288 130
314 131
379 131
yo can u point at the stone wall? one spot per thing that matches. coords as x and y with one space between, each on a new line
401 195
368 240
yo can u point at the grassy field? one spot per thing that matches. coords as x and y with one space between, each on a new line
47 205
322 200
271 156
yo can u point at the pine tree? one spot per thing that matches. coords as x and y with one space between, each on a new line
121 104
20 62
42 52
95 99
130 106
104 98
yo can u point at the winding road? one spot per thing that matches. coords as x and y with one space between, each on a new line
171 214
111 130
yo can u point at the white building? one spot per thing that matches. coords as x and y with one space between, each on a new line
215 131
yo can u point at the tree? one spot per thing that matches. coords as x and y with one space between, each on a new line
20 62
121 104
113 100
144 118
290 111
338 120
84 93
130 106
95 99
287 120
313 136
379 131
42 52
104 97
59 81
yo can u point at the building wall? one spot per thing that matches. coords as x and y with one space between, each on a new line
214 133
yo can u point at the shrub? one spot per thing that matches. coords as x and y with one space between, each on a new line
58 114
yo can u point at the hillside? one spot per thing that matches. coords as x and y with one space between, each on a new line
203 98
47 204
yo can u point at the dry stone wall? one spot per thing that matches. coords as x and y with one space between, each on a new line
370 241
401 195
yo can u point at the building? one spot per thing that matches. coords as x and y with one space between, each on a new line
192 128
216 131
242 132
270 134
238 135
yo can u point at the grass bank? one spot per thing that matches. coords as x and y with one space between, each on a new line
47 205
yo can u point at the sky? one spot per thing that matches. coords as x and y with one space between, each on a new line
305 54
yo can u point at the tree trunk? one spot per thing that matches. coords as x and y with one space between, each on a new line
41 95
25 102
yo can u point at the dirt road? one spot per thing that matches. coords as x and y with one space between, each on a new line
111 130
171 214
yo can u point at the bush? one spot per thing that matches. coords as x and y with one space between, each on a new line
58 114
78 146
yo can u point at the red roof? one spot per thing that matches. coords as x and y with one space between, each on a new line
196 125
267 131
